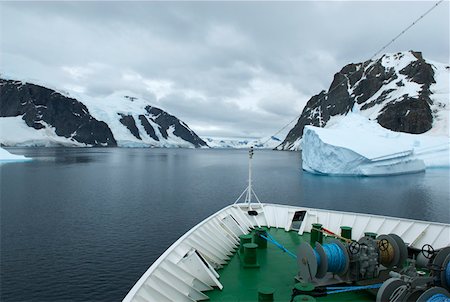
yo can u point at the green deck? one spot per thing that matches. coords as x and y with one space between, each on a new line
277 270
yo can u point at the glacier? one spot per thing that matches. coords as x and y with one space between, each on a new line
357 146
268 142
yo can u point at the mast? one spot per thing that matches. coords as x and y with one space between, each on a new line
249 190
248 198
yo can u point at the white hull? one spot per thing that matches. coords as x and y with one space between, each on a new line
188 267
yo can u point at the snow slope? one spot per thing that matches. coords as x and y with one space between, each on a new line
354 145
109 109
15 132
441 100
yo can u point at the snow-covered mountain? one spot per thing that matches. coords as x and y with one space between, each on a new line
403 92
33 115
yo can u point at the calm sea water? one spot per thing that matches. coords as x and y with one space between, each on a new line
85 224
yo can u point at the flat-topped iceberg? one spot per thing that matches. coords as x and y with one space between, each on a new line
5 156
357 146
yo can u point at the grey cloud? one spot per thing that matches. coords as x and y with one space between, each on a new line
211 54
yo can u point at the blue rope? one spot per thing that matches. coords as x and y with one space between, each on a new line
269 238
439 298
442 297
343 289
335 256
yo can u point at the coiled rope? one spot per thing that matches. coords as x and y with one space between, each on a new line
439 298
335 257
387 255
446 281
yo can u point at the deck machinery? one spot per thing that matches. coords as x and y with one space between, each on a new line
383 264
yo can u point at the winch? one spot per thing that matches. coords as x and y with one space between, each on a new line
413 285
424 276
344 260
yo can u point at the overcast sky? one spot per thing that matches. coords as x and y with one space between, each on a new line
225 68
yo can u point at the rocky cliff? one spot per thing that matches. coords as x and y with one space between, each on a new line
403 92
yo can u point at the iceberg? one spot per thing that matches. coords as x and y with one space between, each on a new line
5 156
358 146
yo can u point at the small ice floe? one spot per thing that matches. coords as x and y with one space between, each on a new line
6 156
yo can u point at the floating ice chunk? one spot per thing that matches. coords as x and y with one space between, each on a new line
358 146
6 156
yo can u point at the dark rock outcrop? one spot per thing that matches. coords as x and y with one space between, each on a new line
41 107
148 128
165 121
370 84
412 115
128 121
